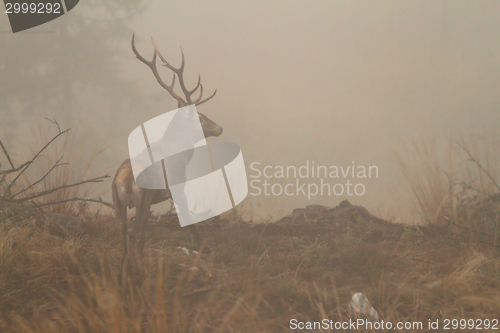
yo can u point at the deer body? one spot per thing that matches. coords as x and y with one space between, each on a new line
126 193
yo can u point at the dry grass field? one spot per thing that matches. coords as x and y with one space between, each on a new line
63 280
60 265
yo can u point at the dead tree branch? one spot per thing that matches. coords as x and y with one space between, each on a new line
18 198
54 121
39 194
7 155
15 169
41 179
38 154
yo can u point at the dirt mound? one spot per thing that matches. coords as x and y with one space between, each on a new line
345 213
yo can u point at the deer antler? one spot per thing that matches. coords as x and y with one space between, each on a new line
177 71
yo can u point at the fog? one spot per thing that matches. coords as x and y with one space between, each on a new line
340 83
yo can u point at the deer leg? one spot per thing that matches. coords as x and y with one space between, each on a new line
183 210
133 227
125 258
142 236
199 240
122 214
196 235
143 221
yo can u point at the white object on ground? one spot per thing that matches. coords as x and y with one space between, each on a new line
360 304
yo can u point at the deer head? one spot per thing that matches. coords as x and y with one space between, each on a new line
209 127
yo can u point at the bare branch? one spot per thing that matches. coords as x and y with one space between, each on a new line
38 154
54 121
39 194
479 165
16 169
7 155
41 179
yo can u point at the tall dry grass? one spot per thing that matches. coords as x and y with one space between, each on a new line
447 183
54 284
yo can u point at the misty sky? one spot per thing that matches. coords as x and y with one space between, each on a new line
325 81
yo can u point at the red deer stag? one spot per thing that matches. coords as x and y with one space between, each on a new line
125 191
